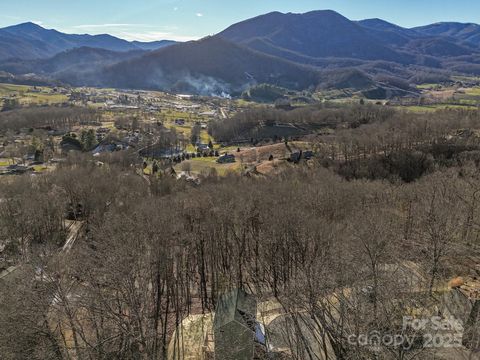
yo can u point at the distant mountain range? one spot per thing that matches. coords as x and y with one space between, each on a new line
75 66
31 41
297 51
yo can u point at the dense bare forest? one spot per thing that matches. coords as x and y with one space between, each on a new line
245 125
295 186
349 243
47 117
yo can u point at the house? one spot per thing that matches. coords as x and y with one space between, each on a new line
160 152
202 148
56 132
70 143
29 157
109 147
296 156
18 169
234 326
226 158
189 178
208 113
307 155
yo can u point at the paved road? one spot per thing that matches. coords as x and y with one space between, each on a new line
7 271
73 229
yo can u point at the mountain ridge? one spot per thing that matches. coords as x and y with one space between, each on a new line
211 64
331 34
298 51
32 41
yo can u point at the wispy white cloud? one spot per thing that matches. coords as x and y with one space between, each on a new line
199 14
153 36
101 26
139 32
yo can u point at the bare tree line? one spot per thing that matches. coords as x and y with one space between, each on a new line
144 261
340 257
311 118
59 118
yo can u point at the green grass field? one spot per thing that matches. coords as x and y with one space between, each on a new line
5 162
40 168
204 137
200 165
469 102
465 78
26 95
186 130
204 164
170 116
432 108
473 91
10 88
428 86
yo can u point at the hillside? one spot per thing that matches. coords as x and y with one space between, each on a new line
31 41
70 64
463 32
390 34
382 25
295 51
439 47
211 65
316 34
313 37
154 45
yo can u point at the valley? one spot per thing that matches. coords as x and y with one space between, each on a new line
296 186
294 51
181 115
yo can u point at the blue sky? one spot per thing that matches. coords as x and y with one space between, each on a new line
191 19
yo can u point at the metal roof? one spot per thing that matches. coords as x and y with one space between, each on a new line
238 306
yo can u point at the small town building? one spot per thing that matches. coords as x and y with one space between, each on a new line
296 156
226 158
307 155
202 148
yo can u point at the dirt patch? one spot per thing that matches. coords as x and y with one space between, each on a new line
279 151
272 167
